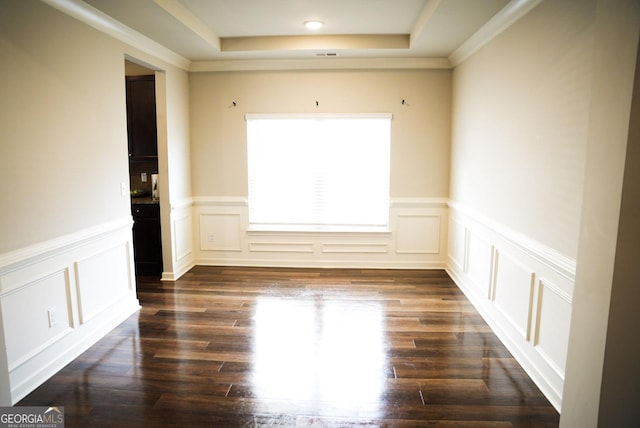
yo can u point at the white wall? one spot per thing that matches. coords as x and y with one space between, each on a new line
420 130
621 372
62 126
519 140
419 164
529 109
602 375
65 225
521 114
174 163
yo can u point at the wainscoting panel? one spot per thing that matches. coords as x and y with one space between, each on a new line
182 240
102 279
50 293
352 247
418 234
457 244
59 297
522 289
220 232
479 263
257 246
414 239
182 231
553 317
512 292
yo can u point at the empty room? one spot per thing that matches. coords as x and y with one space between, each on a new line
320 213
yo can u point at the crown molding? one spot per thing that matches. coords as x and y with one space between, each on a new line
319 64
93 17
508 16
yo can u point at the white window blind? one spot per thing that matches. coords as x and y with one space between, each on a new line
318 171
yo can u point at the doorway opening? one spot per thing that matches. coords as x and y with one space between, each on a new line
142 139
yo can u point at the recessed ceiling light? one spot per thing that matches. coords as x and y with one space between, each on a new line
313 25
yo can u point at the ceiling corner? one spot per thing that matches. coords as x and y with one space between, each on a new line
190 21
104 23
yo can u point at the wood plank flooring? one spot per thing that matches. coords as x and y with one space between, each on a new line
261 347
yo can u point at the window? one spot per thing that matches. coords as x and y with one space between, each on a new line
318 172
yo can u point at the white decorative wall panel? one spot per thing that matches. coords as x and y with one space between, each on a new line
103 278
553 318
354 247
512 292
28 307
418 234
457 244
281 247
86 279
522 289
414 239
183 233
220 232
182 239
479 263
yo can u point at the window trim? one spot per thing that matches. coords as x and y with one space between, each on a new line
253 116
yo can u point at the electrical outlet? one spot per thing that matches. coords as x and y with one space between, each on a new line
123 188
211 237
143 177
53 317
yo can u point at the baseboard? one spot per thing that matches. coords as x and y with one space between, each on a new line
328 264
174 276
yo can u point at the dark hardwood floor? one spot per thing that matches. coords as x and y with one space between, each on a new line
245 347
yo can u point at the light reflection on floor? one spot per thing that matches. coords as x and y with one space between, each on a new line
314 349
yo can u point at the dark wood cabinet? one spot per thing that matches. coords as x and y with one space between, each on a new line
147 241
141 117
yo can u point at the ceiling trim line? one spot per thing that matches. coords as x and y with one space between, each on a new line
508 16
319 64
320 42
427 12
94 18
190 21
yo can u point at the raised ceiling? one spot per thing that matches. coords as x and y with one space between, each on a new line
206 31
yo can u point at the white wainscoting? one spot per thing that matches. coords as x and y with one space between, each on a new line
182 254
85 280
522 289
416 239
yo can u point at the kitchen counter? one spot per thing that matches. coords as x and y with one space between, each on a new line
144 200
